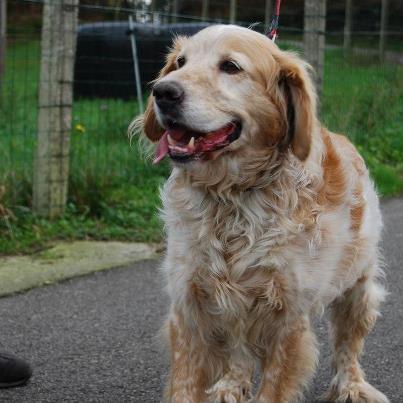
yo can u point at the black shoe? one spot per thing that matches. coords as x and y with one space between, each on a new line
13 371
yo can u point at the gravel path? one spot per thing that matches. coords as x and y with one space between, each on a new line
94 338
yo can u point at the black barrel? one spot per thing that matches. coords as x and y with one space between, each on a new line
104 62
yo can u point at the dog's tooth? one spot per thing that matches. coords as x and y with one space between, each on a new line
171 141
191 143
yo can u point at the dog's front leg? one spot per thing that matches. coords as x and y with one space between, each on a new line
188 378
235 384
289 364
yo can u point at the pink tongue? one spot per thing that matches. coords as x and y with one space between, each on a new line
162 148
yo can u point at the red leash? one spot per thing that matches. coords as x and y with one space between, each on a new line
274 22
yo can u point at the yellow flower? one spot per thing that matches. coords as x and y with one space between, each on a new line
80 128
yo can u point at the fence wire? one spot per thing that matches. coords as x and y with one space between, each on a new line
361 91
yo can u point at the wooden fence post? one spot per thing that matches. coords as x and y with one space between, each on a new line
174 11
383 27
268 11
314 38
348 19
3 40
232 11
153 9
205 6
51 167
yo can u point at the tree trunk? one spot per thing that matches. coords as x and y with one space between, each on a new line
314 38
51 168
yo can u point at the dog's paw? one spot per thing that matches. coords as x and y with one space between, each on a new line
230 391
355 392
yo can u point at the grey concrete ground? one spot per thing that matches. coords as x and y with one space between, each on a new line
67 260
93 339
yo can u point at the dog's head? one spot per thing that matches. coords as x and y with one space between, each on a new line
229 90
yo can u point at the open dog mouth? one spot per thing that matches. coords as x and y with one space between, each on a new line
183 144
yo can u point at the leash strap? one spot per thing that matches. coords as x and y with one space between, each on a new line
274 22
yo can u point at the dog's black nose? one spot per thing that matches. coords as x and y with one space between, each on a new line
168 94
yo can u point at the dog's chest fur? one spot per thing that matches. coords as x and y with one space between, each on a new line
227 254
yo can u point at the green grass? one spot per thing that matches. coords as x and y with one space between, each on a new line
364 100
114 193
393 43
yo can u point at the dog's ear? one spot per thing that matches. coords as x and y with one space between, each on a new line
151 127
301 102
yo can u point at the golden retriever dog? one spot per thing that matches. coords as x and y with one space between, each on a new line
270 218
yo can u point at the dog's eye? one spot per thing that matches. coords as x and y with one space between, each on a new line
180 61
230 67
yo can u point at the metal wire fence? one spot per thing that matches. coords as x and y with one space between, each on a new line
362 93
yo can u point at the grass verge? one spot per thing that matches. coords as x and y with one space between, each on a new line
114 192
